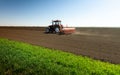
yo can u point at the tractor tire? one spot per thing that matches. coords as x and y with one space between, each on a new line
57 30
47 30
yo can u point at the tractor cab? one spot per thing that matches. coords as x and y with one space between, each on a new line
56 22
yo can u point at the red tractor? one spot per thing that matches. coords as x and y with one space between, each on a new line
57 27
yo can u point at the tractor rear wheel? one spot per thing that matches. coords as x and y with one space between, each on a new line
57 30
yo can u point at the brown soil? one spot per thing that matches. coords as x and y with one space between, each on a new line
97 43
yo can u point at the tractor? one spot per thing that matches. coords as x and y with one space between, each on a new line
58 28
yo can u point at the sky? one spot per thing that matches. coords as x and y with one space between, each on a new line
73 13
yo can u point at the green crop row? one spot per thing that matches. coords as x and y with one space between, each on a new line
17 58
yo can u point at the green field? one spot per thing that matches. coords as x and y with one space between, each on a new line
17 58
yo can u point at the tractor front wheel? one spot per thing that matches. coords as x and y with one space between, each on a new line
47 30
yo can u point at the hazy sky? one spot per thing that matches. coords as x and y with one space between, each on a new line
81 13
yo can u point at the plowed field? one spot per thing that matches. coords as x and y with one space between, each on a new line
97 43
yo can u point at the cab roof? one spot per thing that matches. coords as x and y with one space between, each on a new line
56 20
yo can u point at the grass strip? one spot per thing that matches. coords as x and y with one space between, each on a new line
17 58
